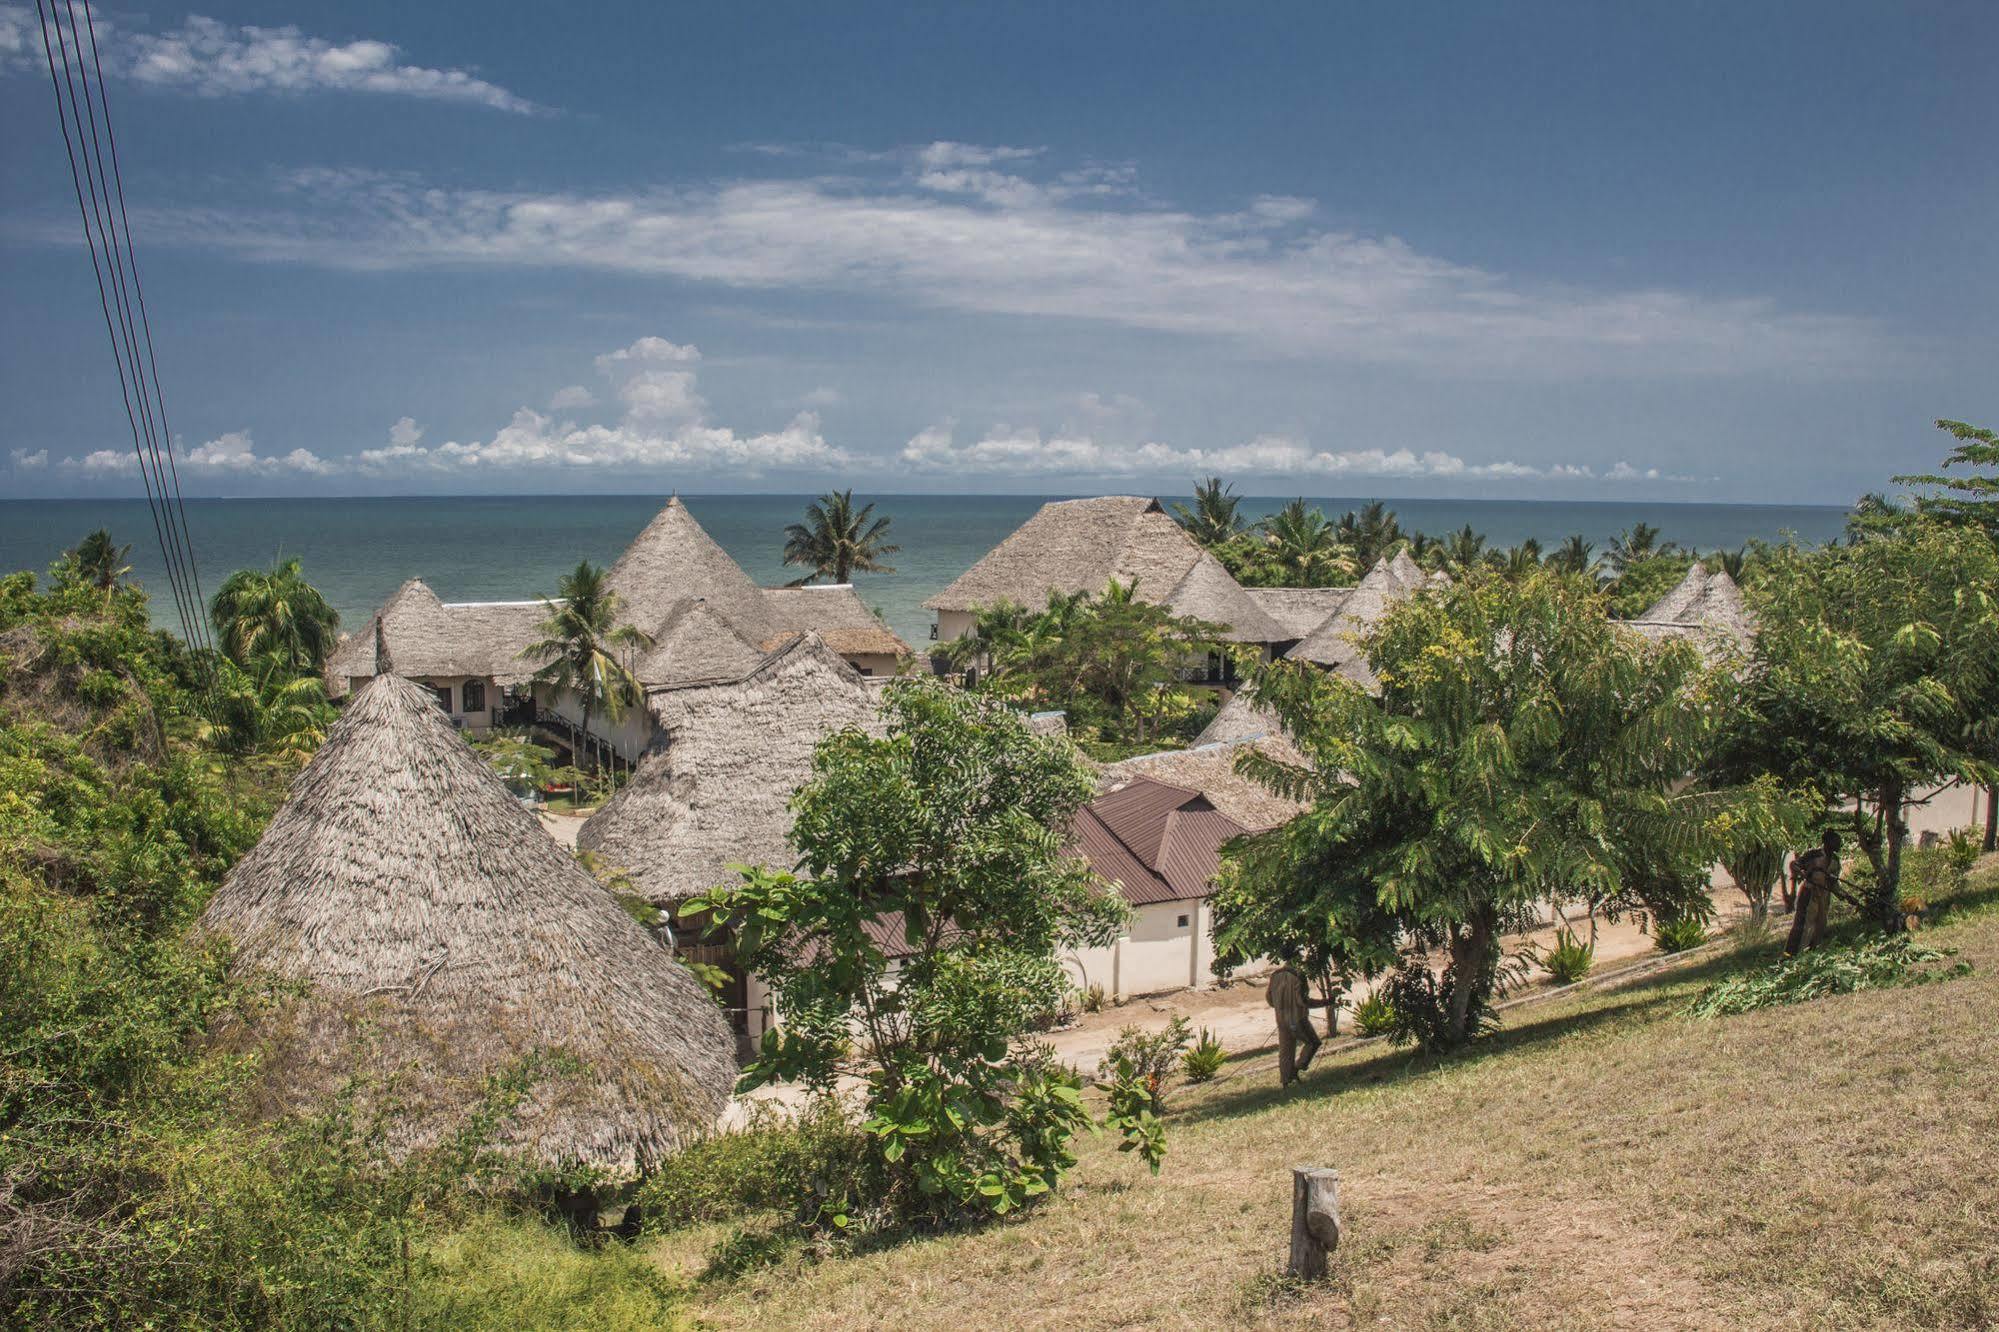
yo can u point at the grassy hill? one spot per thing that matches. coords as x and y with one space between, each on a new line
1606 1161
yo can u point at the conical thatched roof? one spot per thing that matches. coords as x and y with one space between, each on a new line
673 559
1238 719
1209 592
428 637
695 642
1702 605
1407 572
715 787
1673 607
445 937
836 612
1335 644
1299 610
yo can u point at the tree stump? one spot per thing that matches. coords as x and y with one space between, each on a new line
1315 1220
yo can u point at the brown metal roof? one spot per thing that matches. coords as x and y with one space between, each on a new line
1158 843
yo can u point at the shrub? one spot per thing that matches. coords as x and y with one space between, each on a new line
1419 1005
1204 1059
1134 1113
1875 964
1932 873
1151 1055
1679 934
1570 959
1093 999
778 1162
1374 1015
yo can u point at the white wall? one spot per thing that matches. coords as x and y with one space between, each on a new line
1157 954
953 624
628 735
475 722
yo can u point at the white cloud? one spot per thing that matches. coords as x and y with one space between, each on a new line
1624 471
664 425
1013 452
105 462
214 59
992 231
823 396
575 395
28 462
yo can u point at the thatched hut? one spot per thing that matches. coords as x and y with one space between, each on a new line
445 937
1705 607
1335 643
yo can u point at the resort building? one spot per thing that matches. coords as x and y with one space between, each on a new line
707 619
442 936
1705 607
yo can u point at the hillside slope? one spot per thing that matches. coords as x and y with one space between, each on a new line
1605 1162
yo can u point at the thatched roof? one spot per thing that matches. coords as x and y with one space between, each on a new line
1299 610
695 642
1239 719
673 559
837 613
714 788
1210 769
1081 545
1701 605
428 637
1407 572
1335 644
446 936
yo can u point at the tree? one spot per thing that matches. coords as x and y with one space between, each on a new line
100 561
1371 533
273 616
1214 518
1464 548
1874 676
1521 560
583 647
1642 579
941 841
1967 500
1574 556
1523 749
1639 542
1305 547
835 540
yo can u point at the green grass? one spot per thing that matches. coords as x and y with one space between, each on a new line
1604 1161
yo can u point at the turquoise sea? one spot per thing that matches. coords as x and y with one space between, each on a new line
505 548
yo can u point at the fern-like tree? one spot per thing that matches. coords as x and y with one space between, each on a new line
916 945
1214 517
583 647
836 540
274 616
1523 749
1969 498
1875 675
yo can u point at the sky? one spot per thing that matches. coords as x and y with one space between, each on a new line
1684 252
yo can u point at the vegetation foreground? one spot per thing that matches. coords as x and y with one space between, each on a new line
1605 1160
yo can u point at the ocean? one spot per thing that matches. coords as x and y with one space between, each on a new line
507 548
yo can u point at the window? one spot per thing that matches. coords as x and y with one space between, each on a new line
1183 922
474 692
443 693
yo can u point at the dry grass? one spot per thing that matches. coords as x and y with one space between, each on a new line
1604 1163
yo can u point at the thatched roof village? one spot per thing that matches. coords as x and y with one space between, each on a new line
444 937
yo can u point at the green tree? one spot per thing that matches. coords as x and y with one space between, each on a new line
940 840
1213 519
1464 548
836 540
1370 533
1875 675
100 561
583 648
1639 542
1305 548
1574 556
1970 500
1523 749
274 616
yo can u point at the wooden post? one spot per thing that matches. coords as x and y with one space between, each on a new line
1315 1220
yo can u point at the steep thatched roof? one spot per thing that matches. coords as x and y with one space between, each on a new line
1081 545
428 637
1210 769
1407 572
1701 605
1299 610
837 613
1239 719
1335 644
446 936
715 787
673 559
695 642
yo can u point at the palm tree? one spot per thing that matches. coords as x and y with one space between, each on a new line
1734 563
1641 542
1372 532
1213 519
1305 545
1575 556
1464 548
580 647
995 630
101 562
834 540
1522 559
274 615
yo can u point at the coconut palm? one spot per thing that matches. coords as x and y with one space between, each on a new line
836 540
1734 563
1305 546
1575 556
585 649
1464 548
274 616
1214 517
100 562
1641 542
1521 560
1372 532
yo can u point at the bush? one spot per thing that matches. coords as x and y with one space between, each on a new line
1932 873
779 1162
1882 962
1679 934
1570 959
1204 1059
1374 1015
1419 1004
1150 1055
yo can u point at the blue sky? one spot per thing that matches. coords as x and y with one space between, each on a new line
1675 251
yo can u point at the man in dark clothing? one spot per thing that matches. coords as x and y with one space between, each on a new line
1814 873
